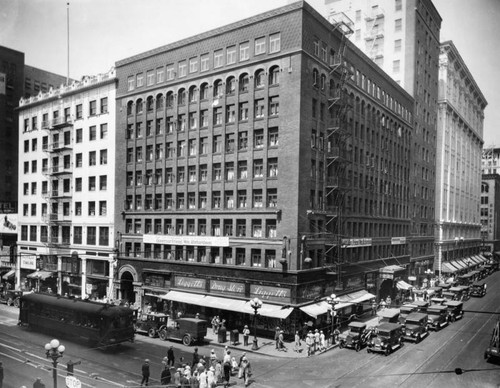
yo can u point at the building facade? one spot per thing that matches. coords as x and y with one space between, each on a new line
402 37
458 168
268 158
66 236
490 215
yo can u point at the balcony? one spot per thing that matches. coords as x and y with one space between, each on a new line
60 122
57 146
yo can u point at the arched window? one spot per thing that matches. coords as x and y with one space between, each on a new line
244 80
485 188
204 91
170 99
138 106
259 79
274 75
230 85
150 104
159 101
218 91
130 105
315 77
181 97
192 94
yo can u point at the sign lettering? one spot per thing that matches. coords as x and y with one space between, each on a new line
207 241
270 293
186 282
223 287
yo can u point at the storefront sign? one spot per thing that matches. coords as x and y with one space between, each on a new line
353 283
412 278
398 240
384 275
356 242
28 261
206 241
270 293
310 291
222 287
191 283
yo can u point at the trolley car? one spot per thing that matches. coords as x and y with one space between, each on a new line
94 323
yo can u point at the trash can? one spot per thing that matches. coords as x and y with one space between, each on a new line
235 337
222 335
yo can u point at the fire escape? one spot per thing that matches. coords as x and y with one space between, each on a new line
338 152
58 172
374 35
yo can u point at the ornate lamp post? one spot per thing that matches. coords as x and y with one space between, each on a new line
54 351
256 304
332 300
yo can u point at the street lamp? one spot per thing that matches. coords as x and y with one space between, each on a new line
256 304
54 350
332 300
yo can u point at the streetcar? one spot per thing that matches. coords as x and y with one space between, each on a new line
90 322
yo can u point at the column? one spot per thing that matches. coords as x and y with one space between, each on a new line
84 278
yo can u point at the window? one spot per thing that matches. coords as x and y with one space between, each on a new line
272 167
170 72
398 6
258 168
192 173
256 232
274 78
259 108
259 79
217 143
103 235
159 151
103 182
244 51
93 108
258 138
216 202
204 91
139 80
260 46
79 111
160 75
396 66
231 55
243 111
180 175
92 132
242 140
398 25
26 167
242 169
217 172
230 114
78 184
130 83
102 208
91 235
217 116
272 197
192 147
203 145
257 198
275 43
91 208
204 62
192 120
218 58
182 69
193 65
274 106
104 105
397 45
273 137
92 184
203 173
181 148
103 157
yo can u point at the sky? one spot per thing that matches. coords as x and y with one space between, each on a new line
102 32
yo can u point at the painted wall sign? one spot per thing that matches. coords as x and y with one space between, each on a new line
310 291
398 240
191 283
356 242
207 241
28 261
223 287
270 293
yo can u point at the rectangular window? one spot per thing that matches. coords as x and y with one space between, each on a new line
217 172
218 58
130 83
204 62
258 168
274 106
398 25
79 111
103 182
258 138
243 111
397 45
193 65
204 118
91 235
160 75
150 78
102 208
273 137
92 183
139 80
260 46
92 158
231 55
104 131
275 43
259 108
182 69
396 66
104 105
91 208
77 234
93 108
230 114
92 133
170 72
217 116
103 157
244 51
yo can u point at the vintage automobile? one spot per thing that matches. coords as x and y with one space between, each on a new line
438 316
478 289
438 301
434 292
388 315
187 330
493 350
455 310
416 327
356 337
10 297
405 310
388 337
421 305
448 295
150 323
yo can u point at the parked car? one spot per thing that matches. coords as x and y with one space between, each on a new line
478 289
356 337
388 337
405 310
187 330
438 316
10 297
455 310
416 327
150 323
438 301
388 315
421 305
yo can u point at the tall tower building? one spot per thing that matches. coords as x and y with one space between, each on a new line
402 37
458 166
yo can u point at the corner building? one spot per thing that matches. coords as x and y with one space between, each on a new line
267 158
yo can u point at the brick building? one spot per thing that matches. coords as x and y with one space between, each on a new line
268 158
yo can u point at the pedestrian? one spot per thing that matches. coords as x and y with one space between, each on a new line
281 341
213 358
297 342
1 374
382 305
227 356
240 365
218 372
38 383
276 336
227 367
177 377
196 358
246 335
145 373
322 340
166 376
309 343
374 307
170 356
234 365
185 380
388 301
247 371
203 379
336 334
194 380
212 382
316 340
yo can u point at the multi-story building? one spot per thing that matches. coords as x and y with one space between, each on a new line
402 37
490 215
268 158
67 186
458 167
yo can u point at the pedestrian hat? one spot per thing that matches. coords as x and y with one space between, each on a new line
246 326
146 360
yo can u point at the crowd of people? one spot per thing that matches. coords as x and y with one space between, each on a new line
201 372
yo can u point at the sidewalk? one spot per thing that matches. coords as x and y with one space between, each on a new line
267 346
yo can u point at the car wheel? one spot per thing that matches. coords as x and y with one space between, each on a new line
17 302
152 333
357 347
418 339
387 350
162 334
186 340
368 350
10 302
453 319
341 345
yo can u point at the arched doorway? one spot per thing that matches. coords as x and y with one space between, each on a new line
127 287
386 289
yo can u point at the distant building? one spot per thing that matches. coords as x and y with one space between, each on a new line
461 107
66 235
490 215
268 158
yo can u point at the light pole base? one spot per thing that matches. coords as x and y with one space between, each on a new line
255 345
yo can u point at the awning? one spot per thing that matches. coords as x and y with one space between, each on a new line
183 297
448 268
482 257
225 303
42 275
363 298
270 310
458 264
476 259
9 274
322 307
391 269
356 297
402 285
